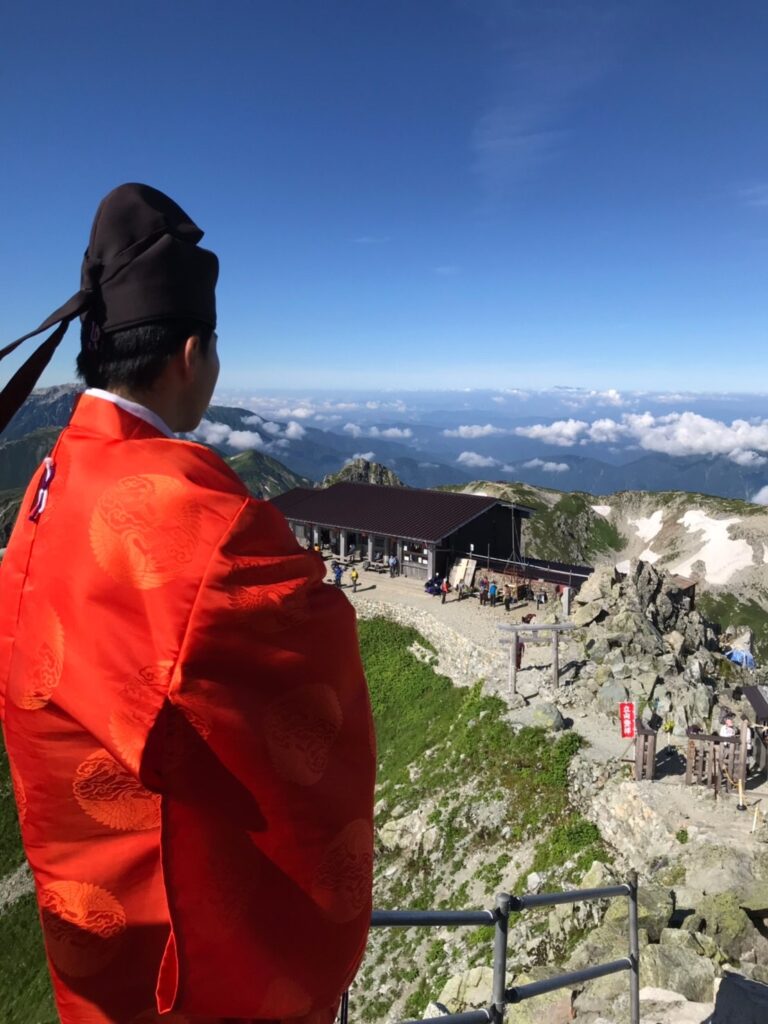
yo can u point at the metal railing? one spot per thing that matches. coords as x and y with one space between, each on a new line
506 904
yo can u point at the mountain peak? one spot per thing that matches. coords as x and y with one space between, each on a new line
361 471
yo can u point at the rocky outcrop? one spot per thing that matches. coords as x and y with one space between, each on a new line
361 471
643 641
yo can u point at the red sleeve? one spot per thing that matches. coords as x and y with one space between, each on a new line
267 762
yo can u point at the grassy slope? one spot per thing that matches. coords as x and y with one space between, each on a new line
264 476
25 988
564 527
451 748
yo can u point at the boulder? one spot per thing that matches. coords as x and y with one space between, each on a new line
646 581
598 585
729 925
641 684
434 1009
552 1008
682 939
609 941
755 897
597 876
609 696
679 969
470 990
548 717
655 906
715 869
675 641
586 613
597 648
411 833
664 1007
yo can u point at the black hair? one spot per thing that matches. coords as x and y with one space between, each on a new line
134 357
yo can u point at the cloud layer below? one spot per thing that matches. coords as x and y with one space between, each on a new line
677 433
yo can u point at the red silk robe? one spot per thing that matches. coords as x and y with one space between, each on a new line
190 738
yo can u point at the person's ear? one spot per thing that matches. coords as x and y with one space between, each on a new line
192 352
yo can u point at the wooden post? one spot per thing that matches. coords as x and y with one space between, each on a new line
650 762
513 665
639 749
555 659
690 762
743 754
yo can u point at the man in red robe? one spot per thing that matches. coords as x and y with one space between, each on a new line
182 699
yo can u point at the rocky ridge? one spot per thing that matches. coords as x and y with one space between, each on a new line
704 874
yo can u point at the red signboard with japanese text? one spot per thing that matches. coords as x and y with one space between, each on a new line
627 719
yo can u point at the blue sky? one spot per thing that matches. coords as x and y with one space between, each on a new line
413 193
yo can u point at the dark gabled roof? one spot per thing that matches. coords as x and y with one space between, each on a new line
407 512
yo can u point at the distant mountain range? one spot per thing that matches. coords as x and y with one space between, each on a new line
644 511
419 453
33 431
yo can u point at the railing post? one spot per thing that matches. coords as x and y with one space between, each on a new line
634 952
500 955
555 659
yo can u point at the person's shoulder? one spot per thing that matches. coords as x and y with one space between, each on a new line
200 466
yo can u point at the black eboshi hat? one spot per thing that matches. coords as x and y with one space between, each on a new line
142 264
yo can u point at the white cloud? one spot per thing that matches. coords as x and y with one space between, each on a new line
547 467
676 433
609 397
294 431
475 459
368 456
244 440
761 497
747 458
688 433
272 428
212 433
562 432
474 430
353 429
605 431
391 432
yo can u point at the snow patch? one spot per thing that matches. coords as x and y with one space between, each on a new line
648 556
602 510
721 554
648 527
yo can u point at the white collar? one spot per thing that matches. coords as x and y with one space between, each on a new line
133 408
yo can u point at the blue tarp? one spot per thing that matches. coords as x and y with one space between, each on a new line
743 658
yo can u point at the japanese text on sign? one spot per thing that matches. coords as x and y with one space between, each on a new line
627 719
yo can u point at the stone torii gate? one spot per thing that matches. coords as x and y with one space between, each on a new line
534 634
